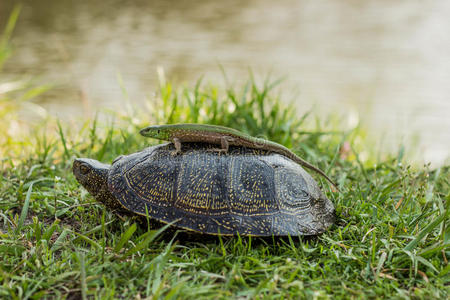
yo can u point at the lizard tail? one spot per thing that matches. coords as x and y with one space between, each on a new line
317 170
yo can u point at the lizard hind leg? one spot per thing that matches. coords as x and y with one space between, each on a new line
224 145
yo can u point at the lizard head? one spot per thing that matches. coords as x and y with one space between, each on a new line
159 132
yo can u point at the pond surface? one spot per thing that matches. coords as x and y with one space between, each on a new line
386 63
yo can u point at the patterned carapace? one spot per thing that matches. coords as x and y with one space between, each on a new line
245 191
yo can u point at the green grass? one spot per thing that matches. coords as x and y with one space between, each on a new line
391 238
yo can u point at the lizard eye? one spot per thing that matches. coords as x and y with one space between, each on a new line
158 131
84 169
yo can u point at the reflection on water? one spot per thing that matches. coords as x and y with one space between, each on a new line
387 60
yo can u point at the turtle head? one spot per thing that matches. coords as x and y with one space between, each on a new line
93 176
159 132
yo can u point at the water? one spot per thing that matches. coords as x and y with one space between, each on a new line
386 63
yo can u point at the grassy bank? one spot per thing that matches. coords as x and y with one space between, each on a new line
391 238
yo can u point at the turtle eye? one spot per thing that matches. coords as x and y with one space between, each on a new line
84 169
305 194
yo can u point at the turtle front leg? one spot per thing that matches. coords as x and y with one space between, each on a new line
177 143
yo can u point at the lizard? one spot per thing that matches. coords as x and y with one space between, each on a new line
224 136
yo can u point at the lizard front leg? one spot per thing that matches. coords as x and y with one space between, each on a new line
177 143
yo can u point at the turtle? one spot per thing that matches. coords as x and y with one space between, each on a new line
250 192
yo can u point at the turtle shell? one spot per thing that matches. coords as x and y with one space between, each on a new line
245 191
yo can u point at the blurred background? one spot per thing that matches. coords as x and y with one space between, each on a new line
383 63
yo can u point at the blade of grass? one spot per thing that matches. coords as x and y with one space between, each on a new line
125 237
6 35
83 275
411 245
59 241
63 139
149 237
444 271
88 240
24 213
49 232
